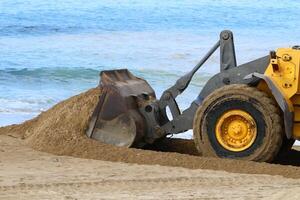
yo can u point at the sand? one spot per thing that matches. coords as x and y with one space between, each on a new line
60 131
34 175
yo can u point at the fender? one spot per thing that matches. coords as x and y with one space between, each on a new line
288 114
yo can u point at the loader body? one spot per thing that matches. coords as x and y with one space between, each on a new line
245 112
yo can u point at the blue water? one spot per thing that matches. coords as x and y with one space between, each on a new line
51 50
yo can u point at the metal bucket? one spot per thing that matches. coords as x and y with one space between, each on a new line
116 119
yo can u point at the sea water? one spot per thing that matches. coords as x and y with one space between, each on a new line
51 50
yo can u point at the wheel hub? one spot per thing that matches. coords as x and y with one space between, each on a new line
236 130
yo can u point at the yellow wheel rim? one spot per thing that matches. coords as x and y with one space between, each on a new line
236 130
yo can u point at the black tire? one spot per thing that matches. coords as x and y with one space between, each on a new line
258 104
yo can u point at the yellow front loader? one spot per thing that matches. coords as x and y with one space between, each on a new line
250 111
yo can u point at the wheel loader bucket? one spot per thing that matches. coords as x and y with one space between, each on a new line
116 119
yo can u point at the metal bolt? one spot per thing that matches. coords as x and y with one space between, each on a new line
225 36
286 57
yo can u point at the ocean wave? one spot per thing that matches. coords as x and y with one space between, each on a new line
25 105
20 110
32 30
169 77
88 74
55 74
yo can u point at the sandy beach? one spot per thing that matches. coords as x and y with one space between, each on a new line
49 157
29 174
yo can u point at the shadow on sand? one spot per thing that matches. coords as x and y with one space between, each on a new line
183 146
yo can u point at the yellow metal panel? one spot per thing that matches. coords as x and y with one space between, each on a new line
297 114
296 131
284 71
296 99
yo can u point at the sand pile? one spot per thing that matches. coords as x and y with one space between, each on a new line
61 131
